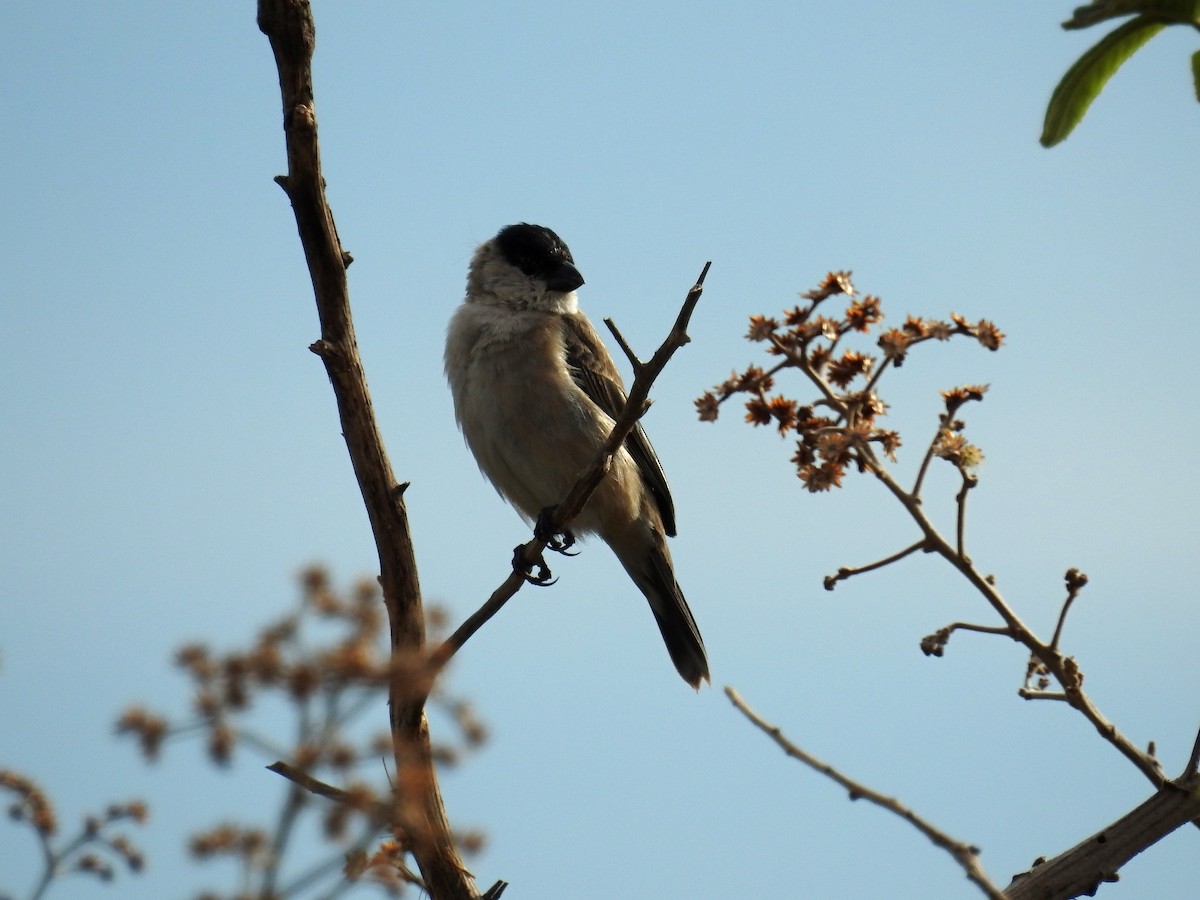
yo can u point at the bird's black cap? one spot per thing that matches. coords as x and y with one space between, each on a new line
539 253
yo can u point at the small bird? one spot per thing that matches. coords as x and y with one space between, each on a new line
536 394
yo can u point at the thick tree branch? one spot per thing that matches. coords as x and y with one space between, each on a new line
635 407
418 812
1082 869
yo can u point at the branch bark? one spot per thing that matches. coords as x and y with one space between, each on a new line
419 818
1082 869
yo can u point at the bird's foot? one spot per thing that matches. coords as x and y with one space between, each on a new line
558 541
542 577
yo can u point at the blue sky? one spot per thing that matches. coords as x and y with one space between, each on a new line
171 454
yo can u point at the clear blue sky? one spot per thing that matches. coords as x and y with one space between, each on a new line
171 454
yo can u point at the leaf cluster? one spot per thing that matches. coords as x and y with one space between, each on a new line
1085 79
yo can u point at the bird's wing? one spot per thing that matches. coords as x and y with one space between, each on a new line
593 370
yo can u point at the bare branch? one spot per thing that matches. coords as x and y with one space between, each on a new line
916 488
1063 668
968 481
289 26
1193 763
378 815
1031 694
846 572
634 362
1082 869
935 644
965 855
505 592
1076 581
822 458
315 786
829 447
573 503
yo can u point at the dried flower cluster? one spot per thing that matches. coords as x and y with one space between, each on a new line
837 429
92 851
329 662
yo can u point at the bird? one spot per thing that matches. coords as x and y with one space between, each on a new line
536 394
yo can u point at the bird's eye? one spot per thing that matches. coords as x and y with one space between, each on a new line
533 266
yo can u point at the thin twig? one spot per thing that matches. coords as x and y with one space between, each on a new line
1062 668
577 497
874 379
916 488
1031 694
847 572
300 882
452 644
315 786
378 815
935 644
968 482
634 362
1193 763
1076 581
1002 630
965 855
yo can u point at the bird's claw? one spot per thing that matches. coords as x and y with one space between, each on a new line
541 578
562 543
558 541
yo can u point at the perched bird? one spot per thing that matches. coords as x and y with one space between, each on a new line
536 394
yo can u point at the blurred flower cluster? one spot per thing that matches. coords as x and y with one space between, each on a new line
91 851
327 666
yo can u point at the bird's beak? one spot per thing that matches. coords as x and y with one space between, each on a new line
564 279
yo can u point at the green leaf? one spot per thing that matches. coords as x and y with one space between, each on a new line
1196 72
1084 80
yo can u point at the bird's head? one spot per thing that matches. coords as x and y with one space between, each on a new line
524 267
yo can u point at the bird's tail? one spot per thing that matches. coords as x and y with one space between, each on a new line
651 570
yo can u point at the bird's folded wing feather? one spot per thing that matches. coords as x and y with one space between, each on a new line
592 369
